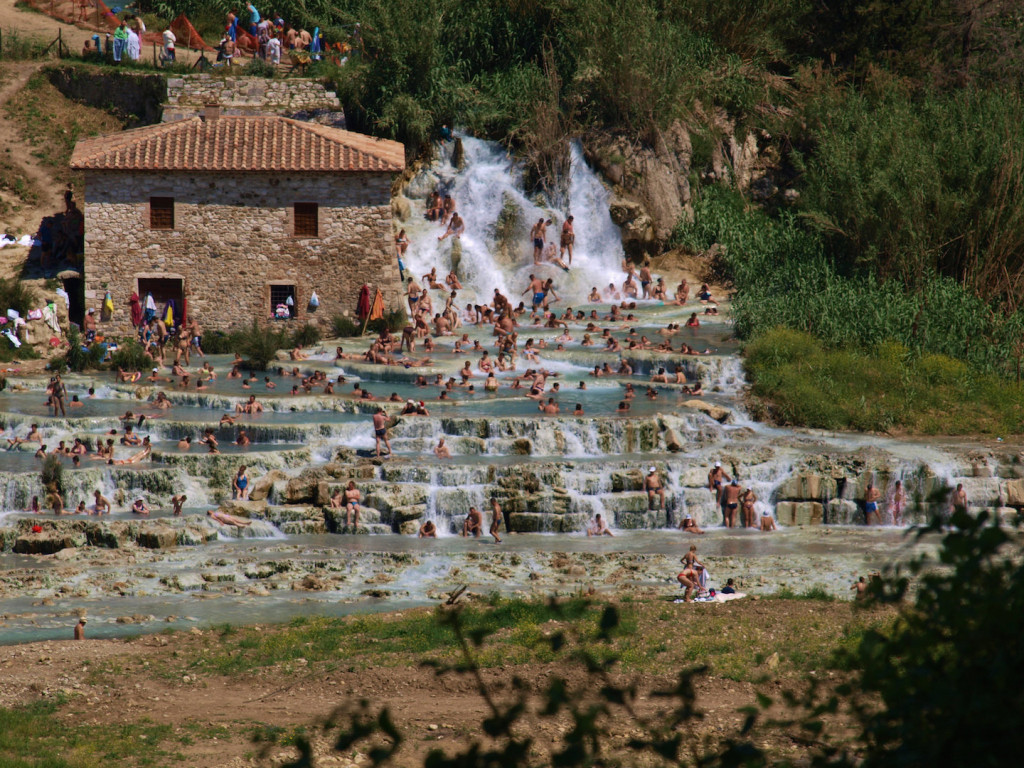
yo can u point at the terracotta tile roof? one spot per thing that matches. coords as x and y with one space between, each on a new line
230 143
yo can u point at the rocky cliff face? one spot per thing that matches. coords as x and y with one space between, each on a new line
651 181
651 184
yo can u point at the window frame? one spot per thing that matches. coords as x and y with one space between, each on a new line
292 289
166 206
310 214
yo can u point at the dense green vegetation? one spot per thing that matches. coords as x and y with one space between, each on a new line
884 388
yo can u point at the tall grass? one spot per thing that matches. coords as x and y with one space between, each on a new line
883 388
786 276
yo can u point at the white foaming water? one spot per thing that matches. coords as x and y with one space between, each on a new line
489 181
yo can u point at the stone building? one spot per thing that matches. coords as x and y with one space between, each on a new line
230 216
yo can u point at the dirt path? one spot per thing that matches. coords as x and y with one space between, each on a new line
230 707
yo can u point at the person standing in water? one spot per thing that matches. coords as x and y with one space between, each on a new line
380 430
537 236
495 520
731 502
871 497
899 501
567 240
654 487
716 478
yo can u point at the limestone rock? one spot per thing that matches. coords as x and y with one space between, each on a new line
262 487
1013 493
843 512
159 536
716 412
806 486
799 513
48 542
243 508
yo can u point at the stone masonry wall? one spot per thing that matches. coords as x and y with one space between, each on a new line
295 97
233 236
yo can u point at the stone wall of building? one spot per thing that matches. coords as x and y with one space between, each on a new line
302 99
232 239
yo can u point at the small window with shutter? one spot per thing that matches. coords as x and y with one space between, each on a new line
307 220
161 213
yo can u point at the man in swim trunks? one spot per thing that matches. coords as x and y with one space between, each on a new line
731 502
473 524
537 235
352 498
645 282
101 504
959 499
716 478
32 436
380 430
428 530
567 240
599 527
654 487
899 501
536 288
871 497
177 502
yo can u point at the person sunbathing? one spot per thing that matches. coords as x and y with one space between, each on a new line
225 519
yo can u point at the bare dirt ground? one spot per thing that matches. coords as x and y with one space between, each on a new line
212 717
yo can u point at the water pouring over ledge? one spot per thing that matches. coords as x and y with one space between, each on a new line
495 252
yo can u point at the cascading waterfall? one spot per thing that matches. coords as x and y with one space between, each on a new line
495 251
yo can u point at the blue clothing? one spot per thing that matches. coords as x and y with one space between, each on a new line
233 30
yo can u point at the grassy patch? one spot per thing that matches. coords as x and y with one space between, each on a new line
52 124
15 190
796 380
35 737
653 637
365 640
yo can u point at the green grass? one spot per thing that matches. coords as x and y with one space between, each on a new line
796 380
389 641
34 736
653 637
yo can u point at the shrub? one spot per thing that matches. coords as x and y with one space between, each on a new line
78 357
131 356
306 336
14 294
53 473
258 67
345 326
220 343
259 345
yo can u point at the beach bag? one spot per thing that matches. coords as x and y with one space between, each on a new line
314 300
108 303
